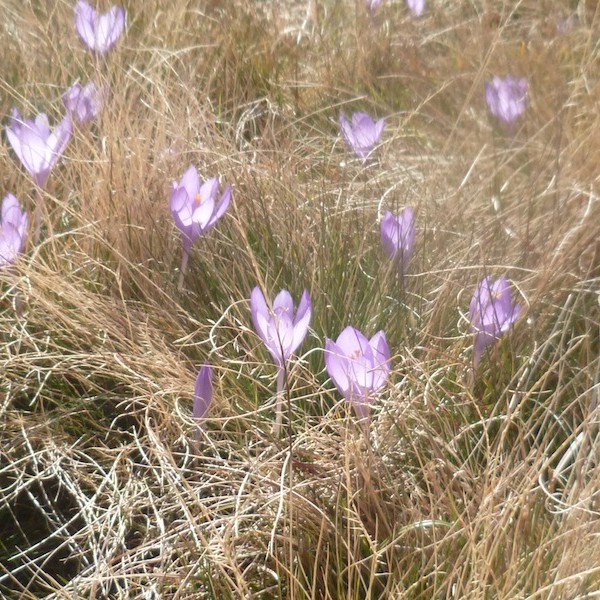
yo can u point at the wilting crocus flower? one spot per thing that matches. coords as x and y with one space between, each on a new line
398 236
99 32
84 102
195 209
203 391
14 229
506 98
491 312
359 367
37 147
281 331
362 133
416 6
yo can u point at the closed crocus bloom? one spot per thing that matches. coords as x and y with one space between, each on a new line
398 236
506 97
280 329
361 133
492 311
36 145
14 230
359 367
416 6
203 391
84 102
99 32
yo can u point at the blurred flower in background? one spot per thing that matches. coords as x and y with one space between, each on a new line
491 311
13 231
398 236
506 98
84 102
361 133
99 31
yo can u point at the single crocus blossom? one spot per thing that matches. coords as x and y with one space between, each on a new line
361 133
195 209
13 231
398 236
99 31
37 147
359 367
282 331
491 311
416 6
203 391
84 102
506 98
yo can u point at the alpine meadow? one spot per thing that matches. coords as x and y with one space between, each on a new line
300 299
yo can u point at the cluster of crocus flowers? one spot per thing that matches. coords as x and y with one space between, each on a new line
84 102
491 312
359 367
99 31
195 209
37 146
13 230
416 6
362 133
282 330
398 237
506 98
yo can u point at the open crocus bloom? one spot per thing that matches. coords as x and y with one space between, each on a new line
84 102
13 231
99 32
362 133
281 330
398 236
506 97
37 147
194 205
359 367
491 311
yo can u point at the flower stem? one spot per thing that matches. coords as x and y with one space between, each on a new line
37 218
183 268
279 400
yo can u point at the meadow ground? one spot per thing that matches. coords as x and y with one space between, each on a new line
465 483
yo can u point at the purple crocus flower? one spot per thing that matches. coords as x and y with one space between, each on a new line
279 329
13 231
99 32
506 97
416 6
203 391
37 147
359 367
491 312
84 102
195 209
398 236
362 133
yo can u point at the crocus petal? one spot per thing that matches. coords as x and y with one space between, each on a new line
336 363
203 391
416 6
302 320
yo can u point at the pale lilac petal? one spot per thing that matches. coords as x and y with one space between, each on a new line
203 391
